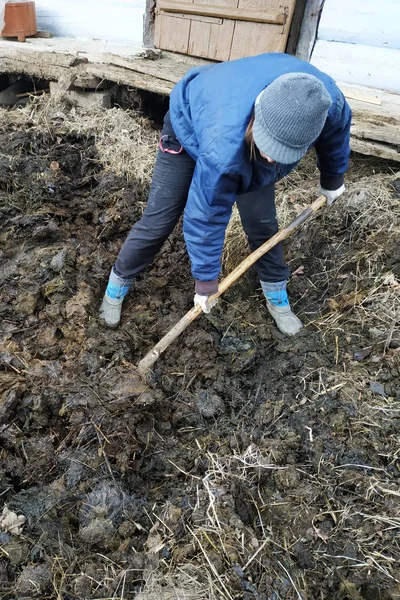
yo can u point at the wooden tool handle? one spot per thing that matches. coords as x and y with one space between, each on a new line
151 357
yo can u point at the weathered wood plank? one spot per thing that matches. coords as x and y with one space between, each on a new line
388 133
52 59
155 68
352 93
148 24
172 33
254 38
129 77
171 67
295 27
41 69
212 40
375 149
221 11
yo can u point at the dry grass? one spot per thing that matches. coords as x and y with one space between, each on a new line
354 248
126 142
226 558
292 195
184 584
300 188
207 562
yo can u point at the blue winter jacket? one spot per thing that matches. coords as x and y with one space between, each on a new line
210 109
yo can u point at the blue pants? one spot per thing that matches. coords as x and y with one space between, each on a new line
172 176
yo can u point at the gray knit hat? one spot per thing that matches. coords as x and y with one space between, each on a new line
289 116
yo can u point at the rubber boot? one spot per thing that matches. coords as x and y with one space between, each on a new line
279 307
111 306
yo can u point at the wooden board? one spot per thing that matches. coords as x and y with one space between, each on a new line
240 32
79 62
168 29
379 131
376 121
370 147
308 29
211 40
220 11
355 93
255 38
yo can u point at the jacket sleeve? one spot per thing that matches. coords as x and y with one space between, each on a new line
333 145
208 209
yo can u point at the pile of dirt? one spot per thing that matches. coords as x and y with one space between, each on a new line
250 466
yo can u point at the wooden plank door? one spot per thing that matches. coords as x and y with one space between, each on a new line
223 29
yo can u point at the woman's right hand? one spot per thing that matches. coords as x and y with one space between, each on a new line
204 302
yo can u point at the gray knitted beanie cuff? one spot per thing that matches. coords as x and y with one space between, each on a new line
289 116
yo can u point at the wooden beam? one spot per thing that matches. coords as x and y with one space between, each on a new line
130 77
309 28
148 24
386 133
221 12
295 26
375 148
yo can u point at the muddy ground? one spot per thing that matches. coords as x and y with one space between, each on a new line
249 465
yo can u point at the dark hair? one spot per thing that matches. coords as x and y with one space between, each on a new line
249 138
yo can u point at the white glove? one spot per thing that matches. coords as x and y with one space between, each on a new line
331 195
205 304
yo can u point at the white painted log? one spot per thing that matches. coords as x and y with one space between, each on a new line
367 22
358 64
118 21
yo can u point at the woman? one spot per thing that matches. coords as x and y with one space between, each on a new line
232 131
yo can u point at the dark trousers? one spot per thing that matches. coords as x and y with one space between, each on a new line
172 176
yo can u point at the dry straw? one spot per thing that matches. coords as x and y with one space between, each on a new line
300 188
125 140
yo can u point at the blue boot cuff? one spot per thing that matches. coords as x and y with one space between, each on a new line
275 292
115 291
278 298
117 286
